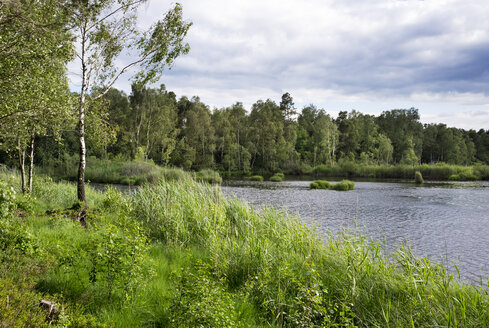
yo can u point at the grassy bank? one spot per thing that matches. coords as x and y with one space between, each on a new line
178 254
122 172
429 172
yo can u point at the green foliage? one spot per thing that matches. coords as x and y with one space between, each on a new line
7 200
110 259
248 268
13 235
277 177
181 213
209 176
115 171
19 307
118 259
454 177
255 178
440 171
320 184
343 185
418 178
200 300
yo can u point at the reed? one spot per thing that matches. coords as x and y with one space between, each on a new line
418 178
277 177
439 171
212 259
255 178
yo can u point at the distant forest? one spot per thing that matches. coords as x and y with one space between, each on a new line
152 124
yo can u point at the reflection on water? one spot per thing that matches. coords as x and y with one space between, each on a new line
448 222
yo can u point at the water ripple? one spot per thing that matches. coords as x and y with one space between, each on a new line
447 222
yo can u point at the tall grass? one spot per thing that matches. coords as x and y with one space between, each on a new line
429 172
116 171
218 262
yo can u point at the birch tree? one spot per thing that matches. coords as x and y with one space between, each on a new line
105 31
34 95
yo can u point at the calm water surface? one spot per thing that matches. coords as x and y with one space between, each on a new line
448 222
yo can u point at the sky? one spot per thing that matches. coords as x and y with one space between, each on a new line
367 55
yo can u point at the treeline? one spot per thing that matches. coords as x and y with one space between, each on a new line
151 123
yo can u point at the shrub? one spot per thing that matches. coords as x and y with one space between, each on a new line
19 307
255 178
7 200
14 235
418 177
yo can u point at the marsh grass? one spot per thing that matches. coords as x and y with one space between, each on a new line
418 178
209 176
219 262
343 185
277 177
439 171
255 178
112 171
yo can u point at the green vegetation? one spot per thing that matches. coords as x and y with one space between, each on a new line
179 254
439 171
255 178
320 184
208 176
418 178
343 185
277 177
122 172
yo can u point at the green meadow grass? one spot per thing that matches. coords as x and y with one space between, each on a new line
179 254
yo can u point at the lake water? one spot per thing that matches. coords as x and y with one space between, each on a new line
448 222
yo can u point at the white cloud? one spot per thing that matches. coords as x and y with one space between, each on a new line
336 52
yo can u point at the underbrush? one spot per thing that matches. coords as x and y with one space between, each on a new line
178 254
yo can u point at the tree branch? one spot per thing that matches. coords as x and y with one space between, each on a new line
114 12
122 71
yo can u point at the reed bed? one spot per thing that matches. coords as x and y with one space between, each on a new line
199 259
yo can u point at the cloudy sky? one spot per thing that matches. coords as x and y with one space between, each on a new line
368 55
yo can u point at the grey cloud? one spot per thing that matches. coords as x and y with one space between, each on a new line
378 49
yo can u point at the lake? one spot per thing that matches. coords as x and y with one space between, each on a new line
448 222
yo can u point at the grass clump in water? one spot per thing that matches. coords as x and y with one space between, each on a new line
277 177
343 185
418 178
255 178
320 184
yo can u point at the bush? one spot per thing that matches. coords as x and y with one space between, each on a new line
418 177
7 200
255 178
19 307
